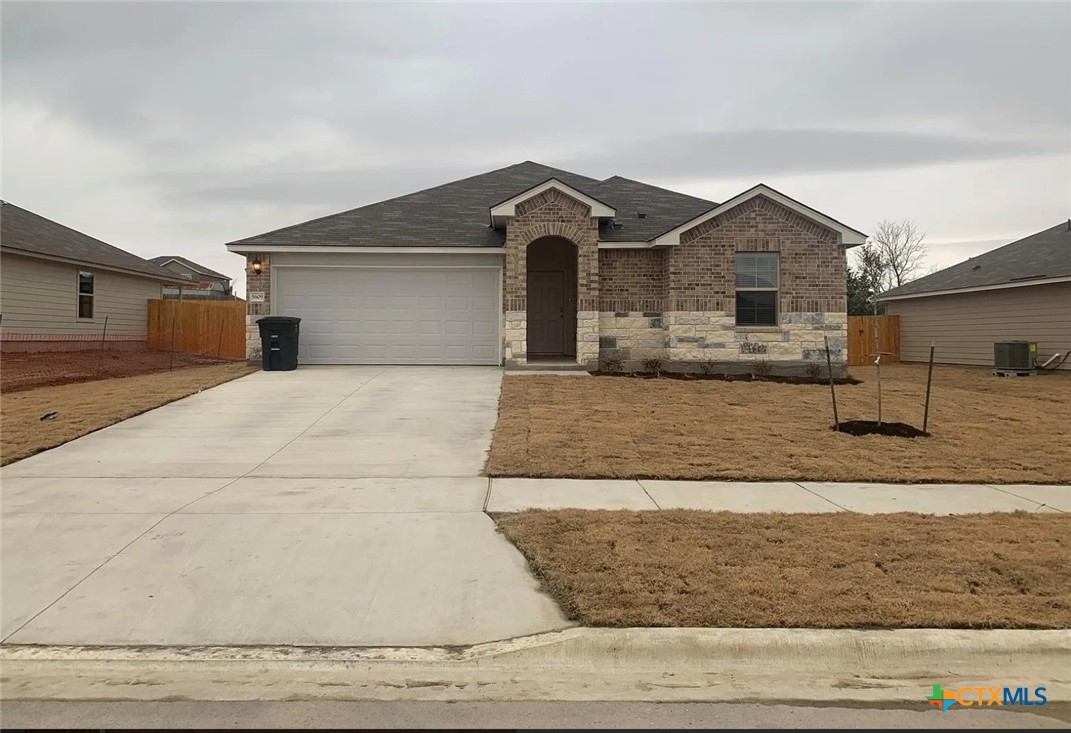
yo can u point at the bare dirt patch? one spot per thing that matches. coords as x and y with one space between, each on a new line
22 371
700 569
91 406
983 429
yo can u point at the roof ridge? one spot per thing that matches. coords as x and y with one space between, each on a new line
393 198
660 188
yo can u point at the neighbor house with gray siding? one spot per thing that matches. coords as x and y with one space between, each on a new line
205 283
58 285
1018 292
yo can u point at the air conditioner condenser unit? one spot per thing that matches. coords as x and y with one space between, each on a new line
1015 358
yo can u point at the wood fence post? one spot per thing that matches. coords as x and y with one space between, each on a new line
174 316
103 335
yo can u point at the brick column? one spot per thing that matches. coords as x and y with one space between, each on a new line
260 283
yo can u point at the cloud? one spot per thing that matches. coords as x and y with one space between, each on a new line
706 155
180 126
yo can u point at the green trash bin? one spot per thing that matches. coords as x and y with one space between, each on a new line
279 342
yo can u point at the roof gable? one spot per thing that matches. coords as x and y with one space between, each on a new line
847 236
189 264
508 208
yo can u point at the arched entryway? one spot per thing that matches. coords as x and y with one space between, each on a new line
551 298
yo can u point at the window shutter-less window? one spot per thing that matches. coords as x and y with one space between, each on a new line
756 289
85 294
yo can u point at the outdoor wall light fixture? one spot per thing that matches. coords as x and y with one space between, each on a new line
256 266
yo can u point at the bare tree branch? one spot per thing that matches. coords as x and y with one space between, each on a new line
903 248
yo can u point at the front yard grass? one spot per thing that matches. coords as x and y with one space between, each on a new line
984 429
91 406
719 569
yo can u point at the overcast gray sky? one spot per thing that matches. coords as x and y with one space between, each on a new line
169 128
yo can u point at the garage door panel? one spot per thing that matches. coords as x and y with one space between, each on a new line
383 316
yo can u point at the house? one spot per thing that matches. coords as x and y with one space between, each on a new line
1021 291
531 265
58 285
206 284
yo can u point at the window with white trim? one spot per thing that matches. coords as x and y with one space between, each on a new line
756 288
85 294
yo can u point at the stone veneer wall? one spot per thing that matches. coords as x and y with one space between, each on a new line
253 311
692 324
551 214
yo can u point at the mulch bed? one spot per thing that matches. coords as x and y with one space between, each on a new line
873 427
719 569
693 377
23 370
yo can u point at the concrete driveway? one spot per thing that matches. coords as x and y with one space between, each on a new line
324 506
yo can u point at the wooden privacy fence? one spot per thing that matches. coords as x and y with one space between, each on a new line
207 328
861 339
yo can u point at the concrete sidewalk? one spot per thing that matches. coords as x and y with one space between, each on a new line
517 494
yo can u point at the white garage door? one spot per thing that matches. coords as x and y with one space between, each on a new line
391 316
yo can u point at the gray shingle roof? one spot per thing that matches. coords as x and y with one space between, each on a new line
457 214
664 209
25 231
201 269
1040 256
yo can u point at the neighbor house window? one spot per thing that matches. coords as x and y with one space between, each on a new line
85 294
756 289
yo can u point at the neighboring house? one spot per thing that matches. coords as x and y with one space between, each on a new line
207 284
58 285
530 264
1021 291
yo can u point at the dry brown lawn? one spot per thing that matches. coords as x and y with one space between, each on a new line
91 406
984 429
696 568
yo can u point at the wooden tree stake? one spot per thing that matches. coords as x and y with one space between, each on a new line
832 389
929 381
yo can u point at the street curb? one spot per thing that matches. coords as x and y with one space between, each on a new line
679 665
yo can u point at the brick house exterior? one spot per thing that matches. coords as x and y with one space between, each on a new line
678 304
656 283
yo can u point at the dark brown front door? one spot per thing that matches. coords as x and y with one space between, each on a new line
546 313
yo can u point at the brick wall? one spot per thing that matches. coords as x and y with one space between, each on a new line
632 280
696 313
813 268
259 282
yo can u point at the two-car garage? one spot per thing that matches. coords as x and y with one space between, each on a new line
391 309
